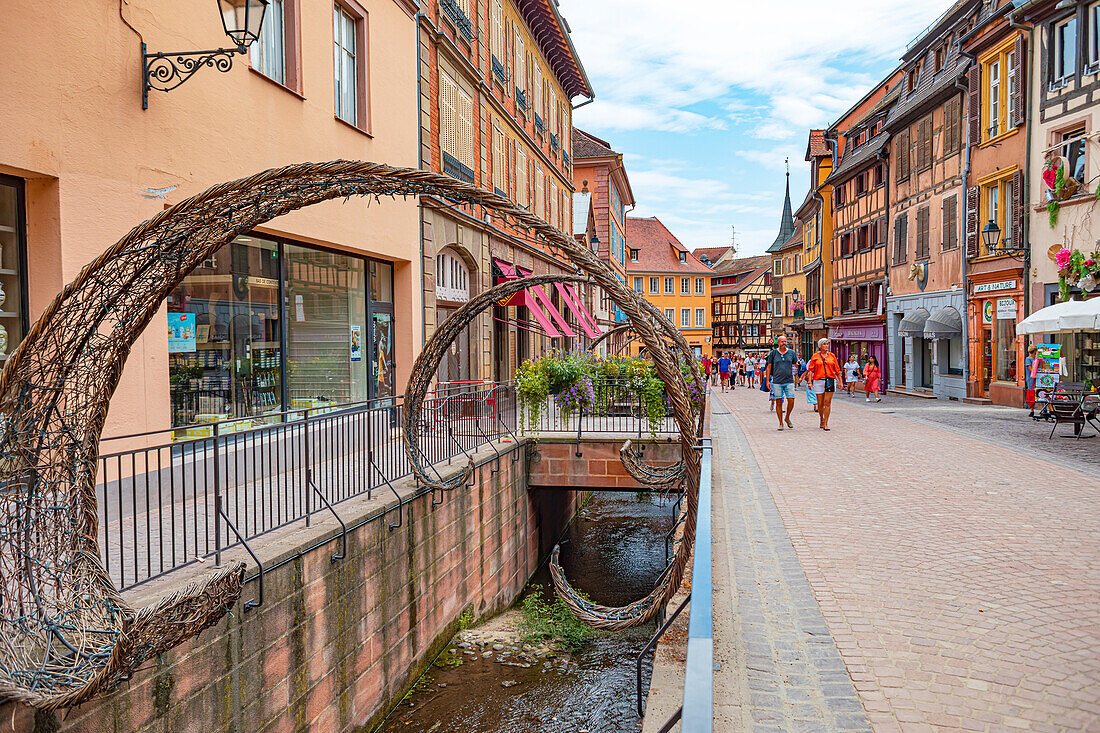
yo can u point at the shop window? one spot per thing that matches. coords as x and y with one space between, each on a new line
13 305
1006 349
225 337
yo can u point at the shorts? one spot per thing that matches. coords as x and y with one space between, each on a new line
780 391
724 375
819 386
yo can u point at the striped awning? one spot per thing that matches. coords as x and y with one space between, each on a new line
946 323
913 323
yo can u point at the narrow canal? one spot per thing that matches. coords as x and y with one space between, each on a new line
614 552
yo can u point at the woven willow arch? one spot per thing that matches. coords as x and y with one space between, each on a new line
66 633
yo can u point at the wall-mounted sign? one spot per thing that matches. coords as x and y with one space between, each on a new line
1006 309
994 287
987 312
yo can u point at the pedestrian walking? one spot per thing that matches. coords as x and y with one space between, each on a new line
824 370
851 372
750 370
872 377
724 370
780 370
706 367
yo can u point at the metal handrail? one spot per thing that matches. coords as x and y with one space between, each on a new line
698 707
259 599
652 644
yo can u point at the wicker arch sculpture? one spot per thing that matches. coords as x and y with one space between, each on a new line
66 633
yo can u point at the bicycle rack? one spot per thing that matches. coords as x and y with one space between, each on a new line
259 601
651 646
344 533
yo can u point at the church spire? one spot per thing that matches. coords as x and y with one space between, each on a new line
786 223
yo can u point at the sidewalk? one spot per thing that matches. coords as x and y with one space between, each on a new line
957 578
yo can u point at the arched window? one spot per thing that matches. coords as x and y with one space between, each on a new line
452 278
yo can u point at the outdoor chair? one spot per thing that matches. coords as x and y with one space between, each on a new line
1074 409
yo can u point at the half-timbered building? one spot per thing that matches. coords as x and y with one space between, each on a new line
741 305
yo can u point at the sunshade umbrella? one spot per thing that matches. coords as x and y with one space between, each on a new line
1073 315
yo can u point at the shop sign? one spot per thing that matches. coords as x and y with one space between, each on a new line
994 287
856 333
181 333
987 312
1006 309
1050 366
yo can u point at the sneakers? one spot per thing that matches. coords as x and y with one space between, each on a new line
868 399
780 427
790 424
878 399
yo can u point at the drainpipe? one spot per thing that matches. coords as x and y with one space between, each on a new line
883 157
419 204
1025 195
966 184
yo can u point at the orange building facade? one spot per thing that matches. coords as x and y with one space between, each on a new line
272 320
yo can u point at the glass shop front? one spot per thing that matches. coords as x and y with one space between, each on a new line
267 325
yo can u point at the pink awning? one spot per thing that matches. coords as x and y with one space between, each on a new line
576 305
536 301
524 297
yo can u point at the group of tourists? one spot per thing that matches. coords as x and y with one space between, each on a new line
783 370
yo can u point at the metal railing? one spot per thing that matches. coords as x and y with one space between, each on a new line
165 503
619 408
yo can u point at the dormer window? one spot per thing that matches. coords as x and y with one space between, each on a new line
913 79
683 258
633 255
941 55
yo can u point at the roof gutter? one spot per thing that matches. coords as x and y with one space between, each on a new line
590 100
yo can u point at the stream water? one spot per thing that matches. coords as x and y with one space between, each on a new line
614 552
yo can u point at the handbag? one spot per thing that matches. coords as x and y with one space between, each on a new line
830 384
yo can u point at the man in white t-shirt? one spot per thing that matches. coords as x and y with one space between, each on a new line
851 372
750 370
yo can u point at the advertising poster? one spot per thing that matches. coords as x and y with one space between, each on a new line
181 332
1050 366
1006 309
356 343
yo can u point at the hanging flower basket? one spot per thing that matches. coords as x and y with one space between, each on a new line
1077 270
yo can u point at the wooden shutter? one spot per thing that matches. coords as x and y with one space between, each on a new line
973 104
922 232
496 21
951 126
519 59
972 195
900 247
1019 99
1017 208
466 129
448 116
523 195
950 222
902 155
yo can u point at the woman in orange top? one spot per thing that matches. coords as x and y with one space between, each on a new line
824 371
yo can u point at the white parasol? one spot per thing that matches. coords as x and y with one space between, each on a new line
1072 315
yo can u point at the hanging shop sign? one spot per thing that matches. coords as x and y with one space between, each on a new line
181 333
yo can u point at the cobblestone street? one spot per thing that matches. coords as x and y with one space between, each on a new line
956 575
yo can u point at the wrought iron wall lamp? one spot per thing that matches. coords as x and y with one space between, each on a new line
164 71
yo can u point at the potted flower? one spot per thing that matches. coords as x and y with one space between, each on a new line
1059 185
1076 269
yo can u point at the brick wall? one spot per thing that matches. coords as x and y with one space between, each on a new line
554 463
336 644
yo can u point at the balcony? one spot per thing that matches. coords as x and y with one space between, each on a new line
455 13
499 72
521 100
456 169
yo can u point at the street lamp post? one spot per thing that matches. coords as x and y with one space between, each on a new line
164 71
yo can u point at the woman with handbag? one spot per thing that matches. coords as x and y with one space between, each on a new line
825 372
871 378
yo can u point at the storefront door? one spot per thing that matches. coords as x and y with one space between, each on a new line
382 364
987 362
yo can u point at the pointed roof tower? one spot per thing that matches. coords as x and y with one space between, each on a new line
786 223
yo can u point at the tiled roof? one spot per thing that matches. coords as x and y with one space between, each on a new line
553 36
854 161
931 86
745 264
747 280
816 146
586 145
658 249
713 254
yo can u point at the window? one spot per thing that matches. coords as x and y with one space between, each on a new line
685 286
777 267
519 61
1006 349
1010 90
993 99
345 33
523 192
1093 56
700 317
861 185
922 232
496 38
700 286
268 54
950 222
997 204
846 300
683 258
864 237
777 306
941 54
901 155
654 285
540 198
924 143
633 255
1073 150
992 211
452 278
877 176
840 194
912 80
670 285
638 285
456 123
670 313
1065 50
952 125
798 263
500 165
901 236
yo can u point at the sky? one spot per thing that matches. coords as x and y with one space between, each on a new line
706 100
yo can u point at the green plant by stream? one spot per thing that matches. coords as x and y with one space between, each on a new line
552 621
